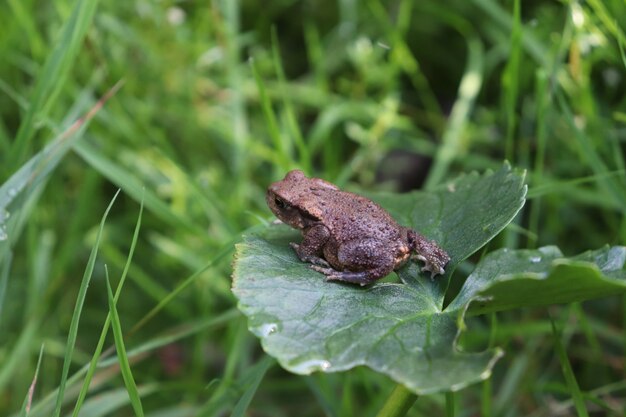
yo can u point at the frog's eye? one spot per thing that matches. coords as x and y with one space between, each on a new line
280 203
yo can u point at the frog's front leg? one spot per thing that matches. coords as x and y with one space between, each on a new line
310 249
364 261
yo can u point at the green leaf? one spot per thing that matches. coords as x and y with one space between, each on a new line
507 279
401 330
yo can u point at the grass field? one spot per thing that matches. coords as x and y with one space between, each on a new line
190 109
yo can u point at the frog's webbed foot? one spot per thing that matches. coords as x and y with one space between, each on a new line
308 257
433 256
362 277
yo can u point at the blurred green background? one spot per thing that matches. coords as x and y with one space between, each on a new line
220 98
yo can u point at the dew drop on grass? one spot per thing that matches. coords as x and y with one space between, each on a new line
535 259
3 233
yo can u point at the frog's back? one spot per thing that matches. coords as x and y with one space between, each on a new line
351 216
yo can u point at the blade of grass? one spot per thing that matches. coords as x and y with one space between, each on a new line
510 81
105 328
45 407
622 53
315 54
589 153
230 11
542 99
282 153
568 373
256 376
52 76
559 187
618 155
468 91
31 390
346 402
624 333
71 339
294 128
398 403
486 392
4 279
450 404
28 24
500 16
127 374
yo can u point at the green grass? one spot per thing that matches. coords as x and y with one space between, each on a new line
221 98
568 374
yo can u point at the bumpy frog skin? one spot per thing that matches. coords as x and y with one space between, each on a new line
346 236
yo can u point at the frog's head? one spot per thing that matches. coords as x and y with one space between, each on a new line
291 199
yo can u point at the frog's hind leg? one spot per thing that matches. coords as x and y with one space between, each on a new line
428 251
364 261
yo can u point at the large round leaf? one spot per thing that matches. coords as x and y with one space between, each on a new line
309 324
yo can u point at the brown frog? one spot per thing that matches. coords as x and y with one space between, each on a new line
347 237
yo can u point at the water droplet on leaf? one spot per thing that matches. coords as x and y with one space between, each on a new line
312 365
267 329
4 215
